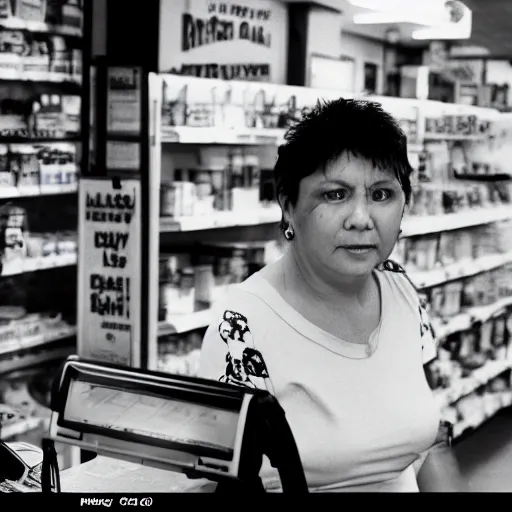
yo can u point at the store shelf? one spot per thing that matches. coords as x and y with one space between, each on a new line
179 324
22 266
39 77
477 419
38 26
464 387
414 226
10 365
8 136
464 321
20 428
215 135
459 270
450 136
265 215
11 347
43 190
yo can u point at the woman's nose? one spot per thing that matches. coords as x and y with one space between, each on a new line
360 216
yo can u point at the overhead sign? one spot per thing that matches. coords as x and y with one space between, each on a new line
240 40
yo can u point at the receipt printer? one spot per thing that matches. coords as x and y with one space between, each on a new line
199 427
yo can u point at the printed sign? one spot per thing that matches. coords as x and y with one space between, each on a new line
123 156
109 267
239 40
124 100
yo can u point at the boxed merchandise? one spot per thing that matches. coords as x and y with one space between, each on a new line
486 338
177 199
179 354
13 233
30 10
57 164
452 298
462 245
24 165
447 250
234 262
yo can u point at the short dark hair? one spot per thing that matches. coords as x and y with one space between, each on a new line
333 128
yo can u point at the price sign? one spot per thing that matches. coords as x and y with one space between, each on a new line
109 267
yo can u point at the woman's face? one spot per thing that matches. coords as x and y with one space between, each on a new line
346 220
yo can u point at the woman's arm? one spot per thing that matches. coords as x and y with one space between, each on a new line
438 469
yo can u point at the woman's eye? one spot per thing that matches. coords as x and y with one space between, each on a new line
335 195
381 195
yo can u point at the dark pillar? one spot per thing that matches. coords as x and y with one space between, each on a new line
298 21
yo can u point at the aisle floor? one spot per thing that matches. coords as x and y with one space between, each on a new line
485 455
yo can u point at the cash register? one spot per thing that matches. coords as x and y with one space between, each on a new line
202 428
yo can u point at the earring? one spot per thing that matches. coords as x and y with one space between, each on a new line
289 234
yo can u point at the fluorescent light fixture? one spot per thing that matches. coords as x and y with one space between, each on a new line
418 18
459 30
379 5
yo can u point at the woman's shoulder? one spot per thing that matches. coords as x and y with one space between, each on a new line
246 299
399 281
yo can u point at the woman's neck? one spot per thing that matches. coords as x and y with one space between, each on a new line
328 290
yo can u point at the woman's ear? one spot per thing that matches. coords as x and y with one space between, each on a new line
284 203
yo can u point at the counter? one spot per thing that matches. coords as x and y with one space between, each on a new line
106 475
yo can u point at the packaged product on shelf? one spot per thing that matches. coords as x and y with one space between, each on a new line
30 10
7 177
436 301
56 115
60 63
204 283
503 235
177 199
8 331
25 167
72 14
71 109
486 338
469 294
437 162
13 233
425 250
57 164
427 200
446 251
13 113
9 416
179 354
36 60
499 332
204 204
67 243
462 245
452 298
48 117
234 262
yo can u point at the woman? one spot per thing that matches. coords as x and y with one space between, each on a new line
333 329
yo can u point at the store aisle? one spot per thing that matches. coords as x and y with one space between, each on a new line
485 456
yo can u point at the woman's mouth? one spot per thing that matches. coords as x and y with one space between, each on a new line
359 249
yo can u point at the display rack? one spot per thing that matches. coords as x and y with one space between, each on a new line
40 107
212 138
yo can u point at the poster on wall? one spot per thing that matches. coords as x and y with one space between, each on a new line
228 40
109 265
124 100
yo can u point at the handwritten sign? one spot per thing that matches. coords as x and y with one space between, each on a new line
109 266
